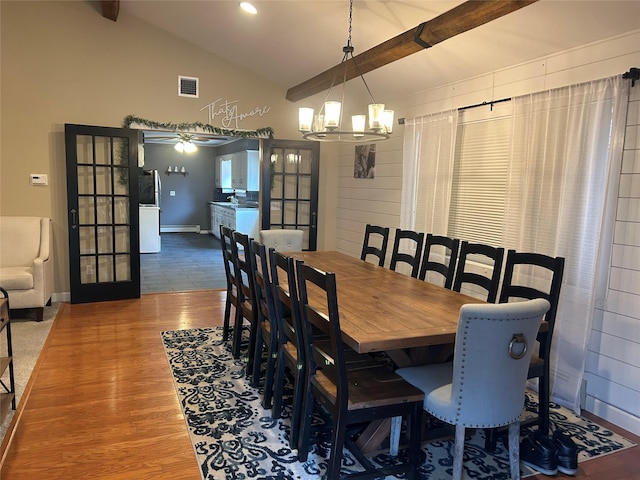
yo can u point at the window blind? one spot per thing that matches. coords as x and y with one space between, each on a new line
480 174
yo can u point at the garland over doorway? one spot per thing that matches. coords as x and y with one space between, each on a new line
129 120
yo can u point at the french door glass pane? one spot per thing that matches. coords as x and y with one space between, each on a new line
305 161
105 240
104 210
304 188
121 210
122 234
290 186
290 212
277 190
88 269
276 212
85 149
121 185
103 150
85 180
105 269
303 212
121 150
103 180
86 211
87 240
123 268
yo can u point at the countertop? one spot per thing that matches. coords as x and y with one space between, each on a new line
235 206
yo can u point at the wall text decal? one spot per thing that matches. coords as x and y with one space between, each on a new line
228 111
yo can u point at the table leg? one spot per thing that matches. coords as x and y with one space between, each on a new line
373 435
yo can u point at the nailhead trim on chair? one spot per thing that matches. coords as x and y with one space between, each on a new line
462 367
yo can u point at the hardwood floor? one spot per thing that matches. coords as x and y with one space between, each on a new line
103 403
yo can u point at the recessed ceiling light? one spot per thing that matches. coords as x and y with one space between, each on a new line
247 7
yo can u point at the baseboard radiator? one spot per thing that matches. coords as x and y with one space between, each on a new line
180 229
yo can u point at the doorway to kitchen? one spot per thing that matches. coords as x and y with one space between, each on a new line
188 261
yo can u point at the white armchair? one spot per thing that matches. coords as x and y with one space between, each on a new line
26 264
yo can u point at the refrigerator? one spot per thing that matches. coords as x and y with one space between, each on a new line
149 211
149 188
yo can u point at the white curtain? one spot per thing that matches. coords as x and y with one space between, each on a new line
428 152
563 174
566 157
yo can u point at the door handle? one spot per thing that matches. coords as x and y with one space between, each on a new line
313 219
73 219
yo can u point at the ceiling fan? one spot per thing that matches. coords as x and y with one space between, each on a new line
464 17
154 136
172 137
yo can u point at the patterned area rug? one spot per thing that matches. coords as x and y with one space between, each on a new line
235 438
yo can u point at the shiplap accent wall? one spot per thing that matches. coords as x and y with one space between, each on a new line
613 390
613 361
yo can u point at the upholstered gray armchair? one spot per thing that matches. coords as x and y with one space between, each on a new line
26 264
484 386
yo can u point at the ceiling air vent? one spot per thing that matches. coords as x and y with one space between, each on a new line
187 86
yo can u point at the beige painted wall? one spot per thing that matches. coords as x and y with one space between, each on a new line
62 62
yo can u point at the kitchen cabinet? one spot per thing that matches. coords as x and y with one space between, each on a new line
242 219
245 173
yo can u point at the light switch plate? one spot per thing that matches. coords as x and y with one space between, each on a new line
172 193
38 179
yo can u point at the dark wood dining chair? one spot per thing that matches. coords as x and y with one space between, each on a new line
548 273
226 239
290 350
407 248
267 331
486 256
351 395
248 310
512 288
375 235
446 258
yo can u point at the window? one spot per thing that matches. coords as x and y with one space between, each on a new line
480 175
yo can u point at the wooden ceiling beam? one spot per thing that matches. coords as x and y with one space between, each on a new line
464 17
110 9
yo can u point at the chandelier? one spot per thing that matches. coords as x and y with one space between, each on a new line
326 125
185 144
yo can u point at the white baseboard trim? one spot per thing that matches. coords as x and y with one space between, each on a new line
61 297
180 229
612 414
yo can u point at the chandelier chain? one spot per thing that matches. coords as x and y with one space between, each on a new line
350 22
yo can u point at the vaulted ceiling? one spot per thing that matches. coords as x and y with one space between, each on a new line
289 42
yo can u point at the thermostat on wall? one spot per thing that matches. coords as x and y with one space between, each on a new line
38 179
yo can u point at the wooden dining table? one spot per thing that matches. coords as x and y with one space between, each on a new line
383 310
